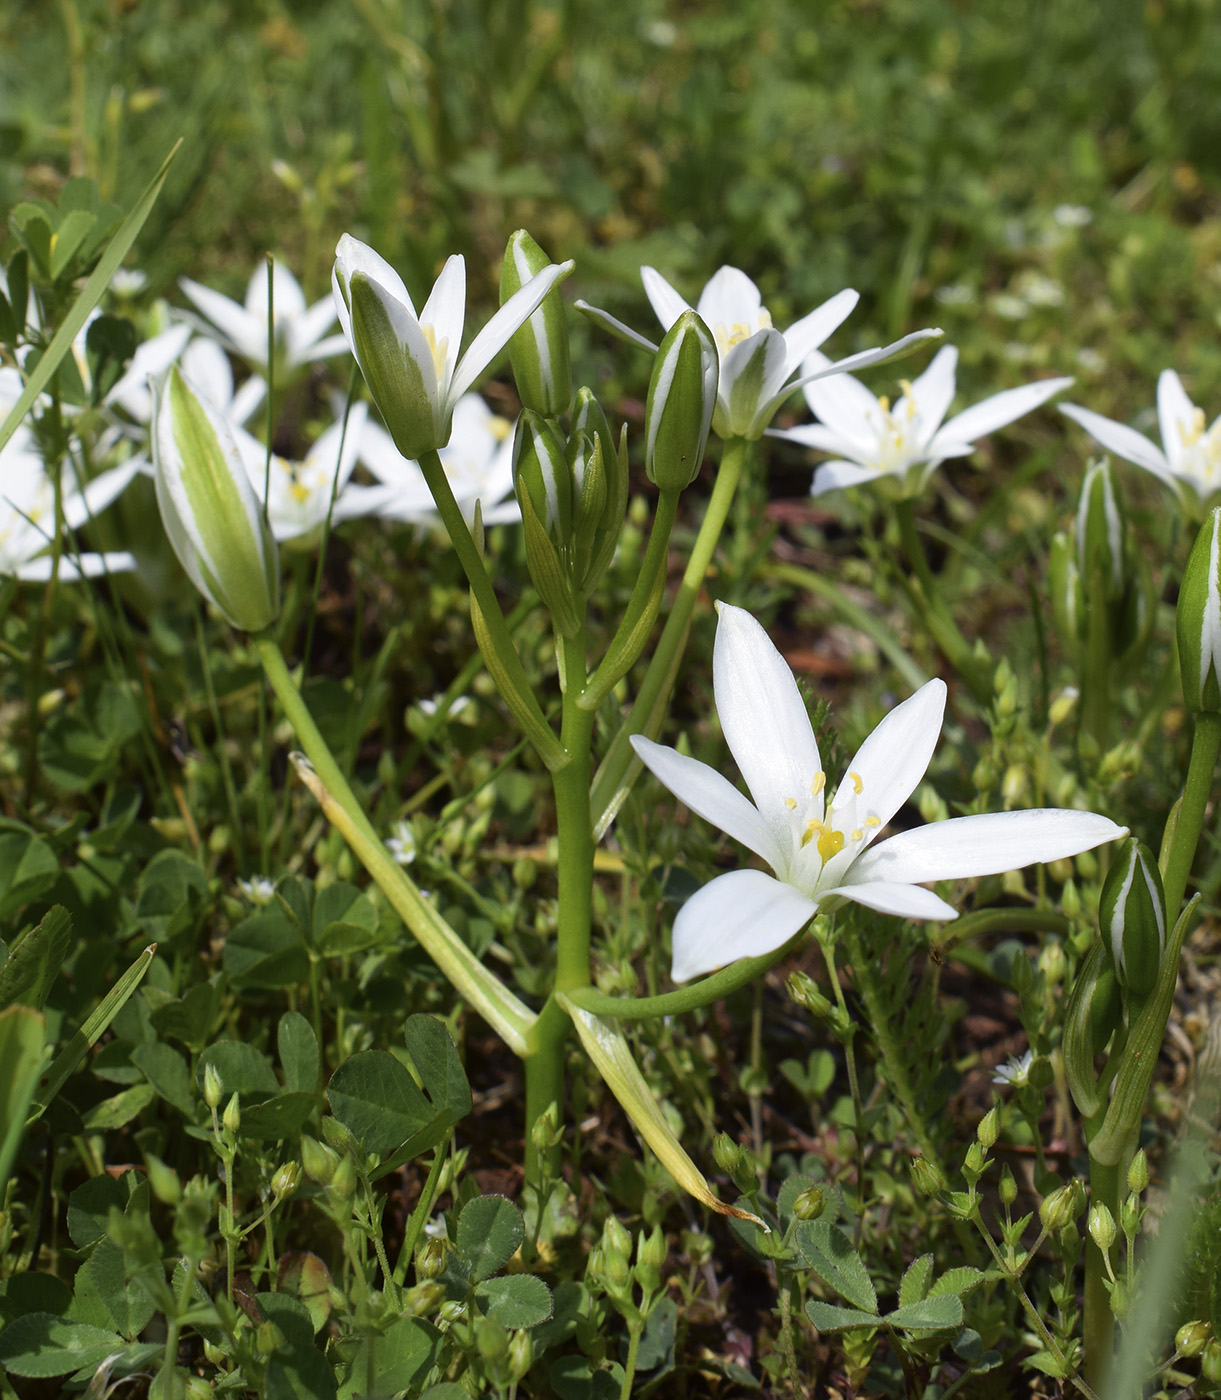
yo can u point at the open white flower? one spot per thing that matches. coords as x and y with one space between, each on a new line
301 492
759 365
1015 1071
901 446
822 852
410 361
243 329
27 504
1189 459
478 463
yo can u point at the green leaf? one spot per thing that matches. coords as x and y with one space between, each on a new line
960 1280
171 895
22 1052
290 1316
574 1378
828 1251
243 1070
107 1275
91 294
40 1344
376 1099
827 1317
515 1300
35 229
440 1069
73 229
298 1375
299 1056
89 1208
189 1018
345 920
933 1313
167 1071
916 1280
278 1118
37 960
33 1292
119 1109
80 746
308 1279
266 951
28 867
393 1360
656 1352
490 1231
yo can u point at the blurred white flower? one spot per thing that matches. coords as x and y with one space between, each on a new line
1016 1071
1072 215
478 463
1189 460
258 889
429 707
901 446
401 843
299 329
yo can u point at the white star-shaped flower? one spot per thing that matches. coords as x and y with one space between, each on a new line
1189 459
899 446
823 852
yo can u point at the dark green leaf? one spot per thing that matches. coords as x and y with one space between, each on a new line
167 1071
298 1375
189 1018
33 1292
89 1208
436 1060
376 1099
109 1276
266 951
278 1118
395 1360
119 1109
37 960
243 1070
490 1231
28 867
960 1280
515 1300
932 1313
914 1285
290 1316
299 1056
73 229
828 1317
40 1344
575 1378
22 1045
171 897
828 1251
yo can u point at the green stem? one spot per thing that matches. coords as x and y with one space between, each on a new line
634 1331
544 1070
506 664
423 1207
846 1033
509 1017
611 782
937 617
1099 1323
1095 712
1196 792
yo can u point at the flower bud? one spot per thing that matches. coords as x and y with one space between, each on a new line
430 1262
1008 1188
804 991
210 511
423 1299
541 473
231 1119
319 1160
539 349
1100 532
1056 1210
734 1161
491 1338
1210 1360
545 1130
927 1177
1102 1226
1132 917
1064 585
213 1089
1198 619
521 1354
285 1180
163 1180
989 1129
1063 705
810 1203
1138 1172
1191 1339
1090 1017
678 410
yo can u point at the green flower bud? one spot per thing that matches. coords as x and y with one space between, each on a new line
541 472
1101 531
1138 1172
681 400
285 1180
343 1181
1056 1210
1064 585
1199 619
1101 1226
810 1203
163 1180
521 1354
425 1298
213 1089
539 350
545 1131
616 1240
1090 1017
1130 1213
1191 1339
491 1338
1008 1188
989 1129
430 1262
319 1161
1210 1360
210 511
927 1177
231 1119
734 1161
804 991
975 1162
1132 916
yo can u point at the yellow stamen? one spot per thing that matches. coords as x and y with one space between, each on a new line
858 835
858 785
808 834
884 401
791 803
820 782
873 821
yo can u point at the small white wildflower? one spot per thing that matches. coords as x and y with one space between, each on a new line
258 890
1016 1071
1072 215
401 843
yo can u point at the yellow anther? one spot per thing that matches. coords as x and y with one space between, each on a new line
299 492
791 803
439 348
884 402
858 835
858 783
808 834
873 821
499 427
830 843
820 782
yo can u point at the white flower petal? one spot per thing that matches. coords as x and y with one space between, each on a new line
842 403
664 300
983 845
863 358
809 333
933 391
353 256
744 914
91 566
499 330
207 366
730 299
819 437
241 331
307 330
907 901
894 758
445 313
81 506
1124 442
838 476
764 719
1176 416
710 796
605 321
998 411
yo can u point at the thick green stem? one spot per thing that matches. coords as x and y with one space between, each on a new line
1200 770
544 1070
508 1016
937 617
611 783
1099 1324
1095 712
517 691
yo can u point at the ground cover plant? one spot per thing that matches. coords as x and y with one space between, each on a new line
625 808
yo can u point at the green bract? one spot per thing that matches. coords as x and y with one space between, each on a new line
679 408
1100 530
1132 915
1199 619
209 508
539 350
